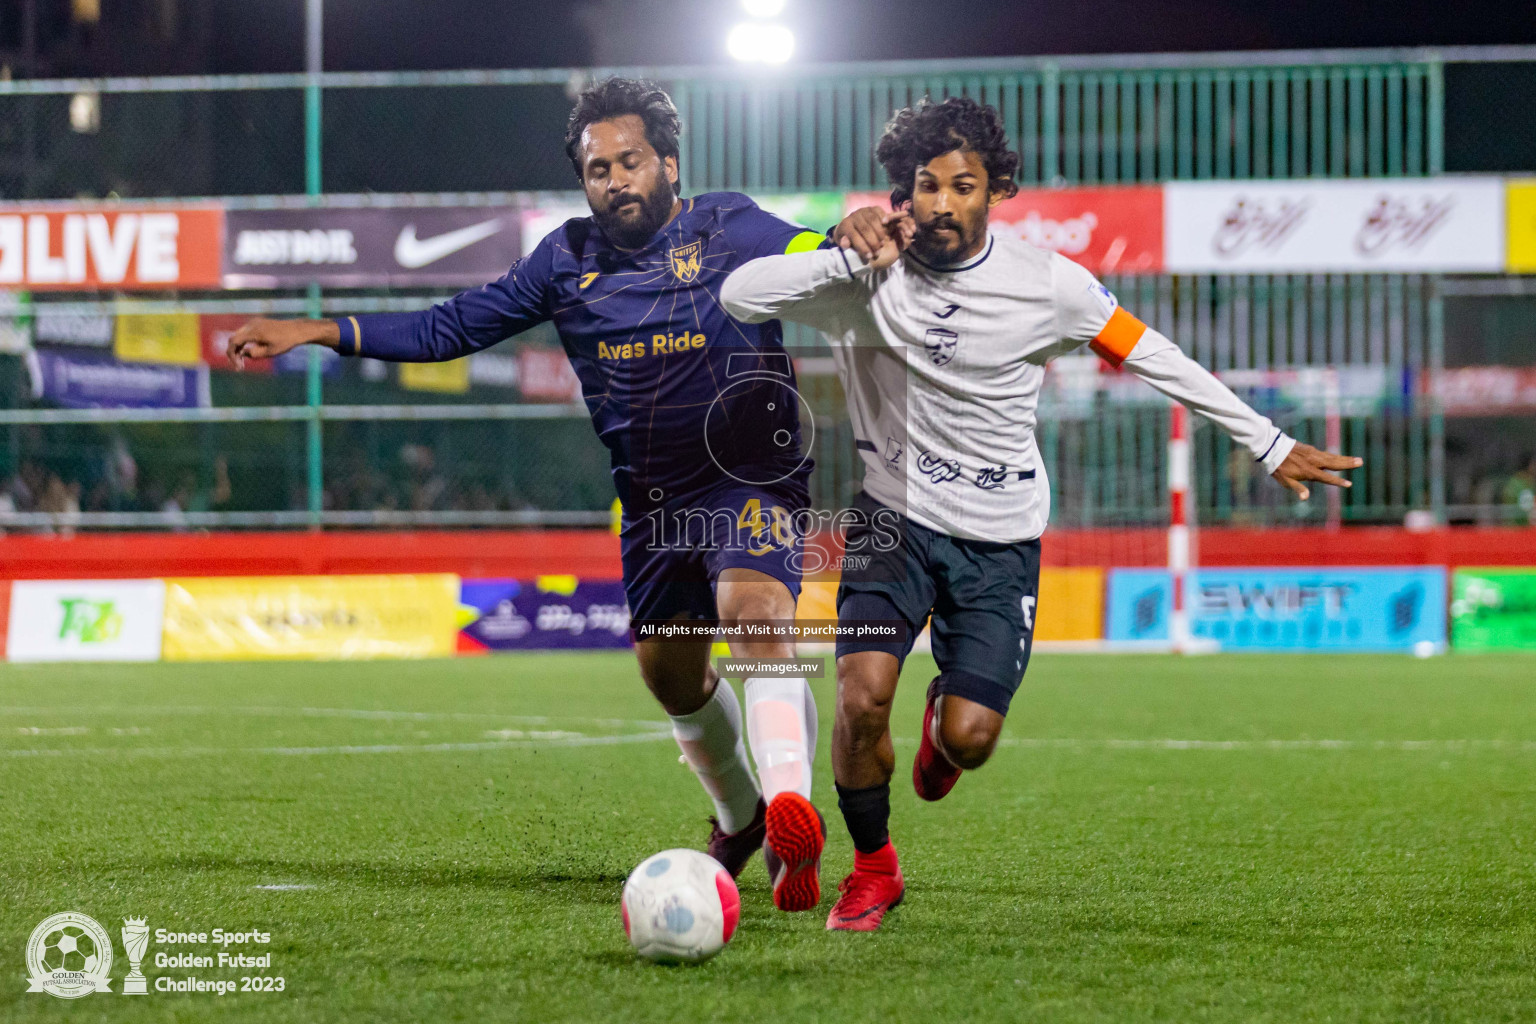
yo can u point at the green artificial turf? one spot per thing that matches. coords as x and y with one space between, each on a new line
1349 838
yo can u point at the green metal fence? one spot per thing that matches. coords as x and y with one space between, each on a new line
1101 120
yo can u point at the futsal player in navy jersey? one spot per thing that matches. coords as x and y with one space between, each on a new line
700 415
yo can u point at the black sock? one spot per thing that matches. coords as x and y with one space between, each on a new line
867 813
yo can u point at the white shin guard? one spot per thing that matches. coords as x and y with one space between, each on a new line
781 723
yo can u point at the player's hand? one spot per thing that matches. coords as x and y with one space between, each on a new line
265 339
867 230
1308 463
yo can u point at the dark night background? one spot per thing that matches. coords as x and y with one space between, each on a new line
1490 107
160 36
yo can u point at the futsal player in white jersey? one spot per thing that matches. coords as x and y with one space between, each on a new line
942 332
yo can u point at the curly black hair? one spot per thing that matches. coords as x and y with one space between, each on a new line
618 97
915 135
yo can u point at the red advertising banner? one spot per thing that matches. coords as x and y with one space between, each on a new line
132 248
1112 230
214 331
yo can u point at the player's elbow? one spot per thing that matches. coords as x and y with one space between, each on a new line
736 297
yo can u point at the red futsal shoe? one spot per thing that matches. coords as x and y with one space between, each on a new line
874 887
792 851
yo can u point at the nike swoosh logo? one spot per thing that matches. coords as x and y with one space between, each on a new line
948 312
413 253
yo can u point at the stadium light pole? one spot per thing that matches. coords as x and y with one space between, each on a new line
314 19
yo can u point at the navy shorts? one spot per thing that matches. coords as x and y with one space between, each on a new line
673 554
981 597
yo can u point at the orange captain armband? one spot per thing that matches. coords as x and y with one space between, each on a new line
1114 343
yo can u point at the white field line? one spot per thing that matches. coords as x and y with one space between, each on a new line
374 748
362 713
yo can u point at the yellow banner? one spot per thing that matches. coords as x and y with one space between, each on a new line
242 618
1071 605
1520 195
158 338
445 378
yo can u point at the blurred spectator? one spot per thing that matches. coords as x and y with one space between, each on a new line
1519 490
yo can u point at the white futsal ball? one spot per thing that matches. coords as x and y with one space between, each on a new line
680 906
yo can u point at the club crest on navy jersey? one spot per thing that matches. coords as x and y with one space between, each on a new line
685 261
940 343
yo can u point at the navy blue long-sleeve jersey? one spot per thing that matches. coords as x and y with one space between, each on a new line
681 394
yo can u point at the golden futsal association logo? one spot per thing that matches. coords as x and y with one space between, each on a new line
685 261
69 955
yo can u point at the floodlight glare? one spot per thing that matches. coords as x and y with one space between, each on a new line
758 43
763 8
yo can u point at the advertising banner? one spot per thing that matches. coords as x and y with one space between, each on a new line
1493 609
548 613
82 247
1287 609
1110 230
1485 390
545 374
1071 604
1447 225
85 620
214 331
450 378
87 330
1520 208
158 338
96 382
371 246
246 618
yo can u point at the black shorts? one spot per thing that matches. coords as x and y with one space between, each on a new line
981 597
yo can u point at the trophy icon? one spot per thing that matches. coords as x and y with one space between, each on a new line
135 940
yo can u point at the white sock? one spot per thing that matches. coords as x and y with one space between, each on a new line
711 742
781 721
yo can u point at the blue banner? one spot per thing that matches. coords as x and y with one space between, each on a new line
95 382
549 613
1286 609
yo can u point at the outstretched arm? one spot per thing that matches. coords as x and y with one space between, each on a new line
1159 362
1086 311
802 286
466 323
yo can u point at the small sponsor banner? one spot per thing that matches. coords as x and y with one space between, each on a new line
547 613
1520 209
1445 225
15 323
1485 390
1287 609
85 620
545 374
371 246
296 360
78 381
1071 604
1493 609
548 214
450 378
78 248
87 330
266 617
493 369
816 211
214 331
158 338
1109 230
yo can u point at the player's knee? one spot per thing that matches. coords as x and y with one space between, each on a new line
861 707
969 739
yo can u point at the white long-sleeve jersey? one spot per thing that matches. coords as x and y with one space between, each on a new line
943 369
